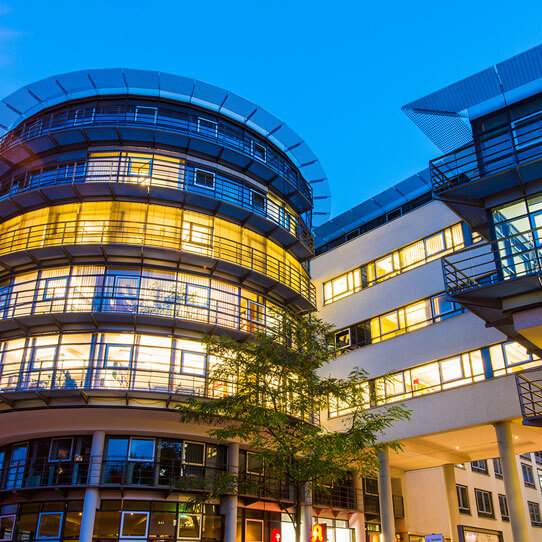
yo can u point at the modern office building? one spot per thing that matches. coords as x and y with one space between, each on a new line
436 283
139 211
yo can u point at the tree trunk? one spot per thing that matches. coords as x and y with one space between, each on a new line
298 513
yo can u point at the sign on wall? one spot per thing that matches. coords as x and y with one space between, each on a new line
434 538
319 532
275 535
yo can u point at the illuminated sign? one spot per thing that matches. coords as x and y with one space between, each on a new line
319 532
275 535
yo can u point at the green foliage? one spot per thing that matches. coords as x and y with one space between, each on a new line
280 389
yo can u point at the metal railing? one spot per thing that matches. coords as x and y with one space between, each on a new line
150 296
159 118
103 232
495 152
529 384
484 264
160 173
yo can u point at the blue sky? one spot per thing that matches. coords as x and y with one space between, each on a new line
336 72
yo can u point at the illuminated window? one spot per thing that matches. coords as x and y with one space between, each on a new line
253 530
139 167
451 369
197 296
60 449
342 339
43 357
189 526
389 322
118 356
55 288
126 287
204 179
259 151
134 525
193 363
49 525
7 524
384 266
418 314
197 234
207 127
342 286
435 244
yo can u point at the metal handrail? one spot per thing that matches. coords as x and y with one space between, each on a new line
493 262
115 169
125 115
103 232
530 394
495 152
97 293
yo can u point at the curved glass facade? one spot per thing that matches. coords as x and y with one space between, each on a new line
151 170
157 226
136 291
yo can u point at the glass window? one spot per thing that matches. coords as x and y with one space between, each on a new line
463 499
254 463
384 266
139 167
503 507
442 308
426 378
141 449
204 179
49 525
342 286
528 476
534 514
418 314
207 127
118 356
134 524
259 151
117 447
55 288
484 503
7 524
342 339
146 114
435 244
189 526
479 466
497 467
197 296
258 201
412 254
193 363
43 357
126 287
61 449
198 234
451 369
194 453
389 322
254 530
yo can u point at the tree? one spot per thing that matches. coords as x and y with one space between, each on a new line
279 391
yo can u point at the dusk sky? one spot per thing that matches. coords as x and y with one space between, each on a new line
337 73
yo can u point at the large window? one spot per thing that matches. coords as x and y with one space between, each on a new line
388 266
503 507
479 466
484 503
402 320
534 514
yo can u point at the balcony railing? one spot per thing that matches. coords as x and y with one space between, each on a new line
149 296
486 264
161 173
529 385
172 474
161 119
496 152
103 232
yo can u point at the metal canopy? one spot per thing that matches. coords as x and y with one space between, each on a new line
35 97
391 198
443 116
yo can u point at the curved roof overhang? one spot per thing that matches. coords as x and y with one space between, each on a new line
33 98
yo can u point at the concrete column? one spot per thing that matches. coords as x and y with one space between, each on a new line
387 517
356 520
451 500
228 504
306 527
92 493
511 481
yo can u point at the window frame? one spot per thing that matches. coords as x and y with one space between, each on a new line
106 356
116 286
534 507
528 476
255 145
503 503
483 513
480 470
204 185
51 449
193 304
464 508
129 459
14 517
200 523
140 159
181 366
149 107
133 537
54 297
201 129
514 128
40 515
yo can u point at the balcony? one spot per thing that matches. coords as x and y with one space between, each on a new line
155 123
495 162
163 180
498 281
529 385
502 159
